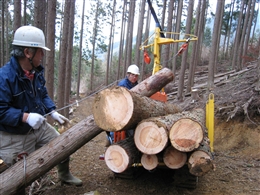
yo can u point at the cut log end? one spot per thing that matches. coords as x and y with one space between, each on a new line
113 102
173 158
149 162
149 138
116 158
186 135
200 163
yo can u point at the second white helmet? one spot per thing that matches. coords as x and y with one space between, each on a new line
29 36
133 69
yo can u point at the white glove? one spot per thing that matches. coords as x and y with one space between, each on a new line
35 120
58 117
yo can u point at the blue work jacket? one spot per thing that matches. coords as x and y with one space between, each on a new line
126 83
19 95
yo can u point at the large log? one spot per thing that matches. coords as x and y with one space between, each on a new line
154 83
188 130
201 160
122 155
152 134
120 109
47 157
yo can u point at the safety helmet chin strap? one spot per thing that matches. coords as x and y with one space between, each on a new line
31 61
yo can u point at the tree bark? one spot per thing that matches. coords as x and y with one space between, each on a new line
173 158
48 156
121 155
120 109
201 160
154 83
188 129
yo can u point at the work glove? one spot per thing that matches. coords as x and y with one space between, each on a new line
58 117
35 120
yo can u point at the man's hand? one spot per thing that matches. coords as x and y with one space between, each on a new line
60 118
35 120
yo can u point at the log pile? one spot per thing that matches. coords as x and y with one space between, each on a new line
163 133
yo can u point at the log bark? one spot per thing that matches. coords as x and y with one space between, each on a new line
188 130
48 156
122 155
201 160
154 83
173 158
120 109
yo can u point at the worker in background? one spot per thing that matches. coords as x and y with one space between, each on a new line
24 102
128 82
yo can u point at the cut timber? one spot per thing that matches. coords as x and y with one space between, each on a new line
122 155
173 158
151 137
149 162
120 109
201 160
48 156
154 83
188 130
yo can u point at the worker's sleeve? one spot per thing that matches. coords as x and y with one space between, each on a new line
9 115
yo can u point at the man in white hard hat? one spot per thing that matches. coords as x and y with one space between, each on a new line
131 78
24 102
128 82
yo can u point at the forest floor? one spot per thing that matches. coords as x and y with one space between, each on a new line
236 154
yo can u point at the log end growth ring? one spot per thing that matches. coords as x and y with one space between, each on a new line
173 158
186 135
116 158
113 109
149 138
149 162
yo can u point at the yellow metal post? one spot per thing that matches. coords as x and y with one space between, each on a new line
210 119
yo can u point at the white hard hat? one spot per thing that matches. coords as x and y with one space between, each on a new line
29 36
133 69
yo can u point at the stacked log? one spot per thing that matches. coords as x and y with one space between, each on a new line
164 134
180 137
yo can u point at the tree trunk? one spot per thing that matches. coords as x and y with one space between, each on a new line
48 156
50 42
121 155
173 158
188 129
201 160
118 108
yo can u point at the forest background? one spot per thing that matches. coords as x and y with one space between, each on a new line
92 48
